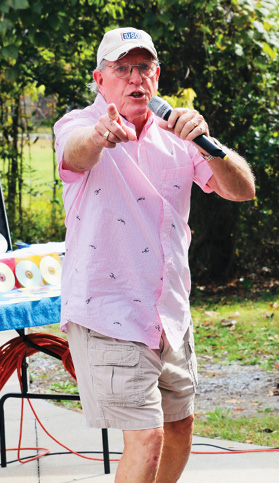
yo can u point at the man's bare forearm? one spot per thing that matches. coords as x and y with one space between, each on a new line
232 179
85 145
80 152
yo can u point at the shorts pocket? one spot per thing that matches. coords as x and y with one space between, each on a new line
117 375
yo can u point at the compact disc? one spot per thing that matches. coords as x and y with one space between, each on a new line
51 270
7 278
3 244
28 274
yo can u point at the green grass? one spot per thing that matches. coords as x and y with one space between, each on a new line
40 159
38 168
37 171
262 430
246 331
37 161
67 387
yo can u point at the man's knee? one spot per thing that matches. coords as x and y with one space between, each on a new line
148 440
182 426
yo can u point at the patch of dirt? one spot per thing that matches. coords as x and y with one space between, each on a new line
245 390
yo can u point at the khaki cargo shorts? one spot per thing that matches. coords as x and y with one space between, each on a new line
127 385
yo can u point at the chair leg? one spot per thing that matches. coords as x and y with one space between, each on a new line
106 450
2 434
44 396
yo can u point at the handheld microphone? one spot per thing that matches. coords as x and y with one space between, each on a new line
163 109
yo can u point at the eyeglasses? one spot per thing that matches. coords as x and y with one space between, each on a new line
122 70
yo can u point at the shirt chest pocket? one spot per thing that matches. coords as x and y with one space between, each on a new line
176 184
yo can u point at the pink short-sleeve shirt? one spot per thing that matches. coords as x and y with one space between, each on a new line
125 272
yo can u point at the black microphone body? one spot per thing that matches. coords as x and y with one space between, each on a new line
163 109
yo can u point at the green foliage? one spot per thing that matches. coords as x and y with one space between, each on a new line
224 52
229 55
184 98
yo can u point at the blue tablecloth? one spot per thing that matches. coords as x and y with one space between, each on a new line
29 308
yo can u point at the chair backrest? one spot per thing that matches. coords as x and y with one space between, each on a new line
4 224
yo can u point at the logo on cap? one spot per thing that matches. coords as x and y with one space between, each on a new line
131 36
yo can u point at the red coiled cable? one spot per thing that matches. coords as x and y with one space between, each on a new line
12 354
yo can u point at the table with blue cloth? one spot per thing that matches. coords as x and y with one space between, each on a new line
25 308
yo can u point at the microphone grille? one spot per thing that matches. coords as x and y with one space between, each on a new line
159 106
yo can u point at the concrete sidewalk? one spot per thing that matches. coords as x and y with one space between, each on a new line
69 428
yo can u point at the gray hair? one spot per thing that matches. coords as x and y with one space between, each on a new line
93 87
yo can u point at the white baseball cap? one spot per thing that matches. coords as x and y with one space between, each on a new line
118 42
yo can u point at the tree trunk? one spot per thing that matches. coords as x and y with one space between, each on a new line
13 168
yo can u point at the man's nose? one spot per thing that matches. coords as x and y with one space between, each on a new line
135 75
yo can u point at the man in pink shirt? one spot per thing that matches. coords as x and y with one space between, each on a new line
127 178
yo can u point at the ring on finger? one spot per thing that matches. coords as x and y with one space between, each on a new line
106 135
195 123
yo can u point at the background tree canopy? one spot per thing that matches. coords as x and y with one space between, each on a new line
226 52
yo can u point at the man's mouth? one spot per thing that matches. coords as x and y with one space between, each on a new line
137 95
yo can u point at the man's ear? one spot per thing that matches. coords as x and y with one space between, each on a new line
98 78
158 70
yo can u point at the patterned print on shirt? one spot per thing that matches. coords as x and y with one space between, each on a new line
142 198
176 186
93 246
122 221
117 323
157 327
97 191
89 300
146 250
112 276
